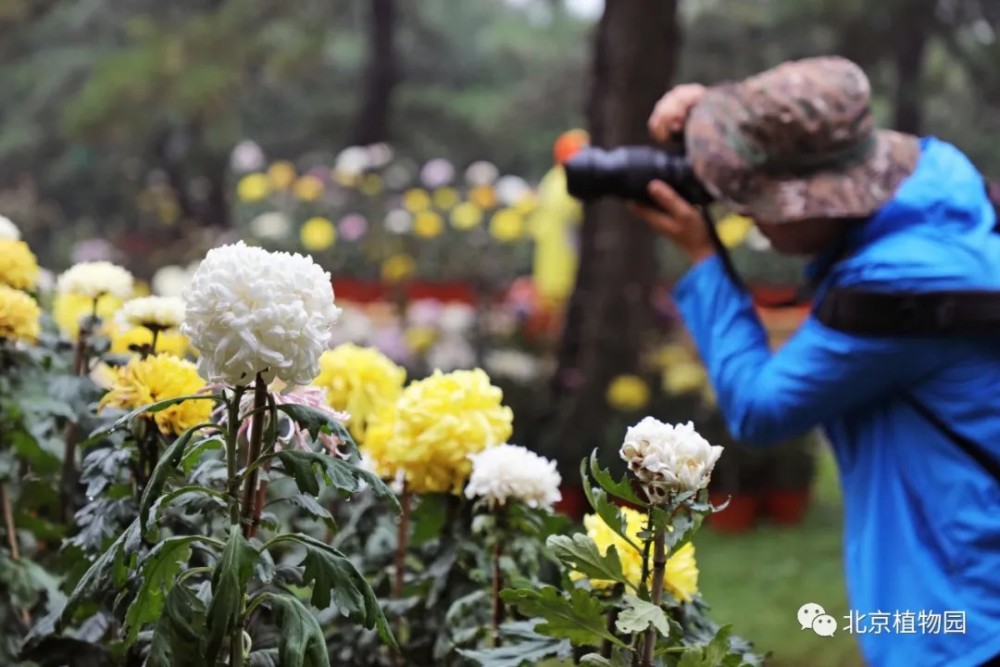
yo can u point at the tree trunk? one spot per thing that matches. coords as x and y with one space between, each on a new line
912 30
635 55
372 124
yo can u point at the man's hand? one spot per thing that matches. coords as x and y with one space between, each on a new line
670 113
676 219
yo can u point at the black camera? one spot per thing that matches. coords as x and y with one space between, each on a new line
626 173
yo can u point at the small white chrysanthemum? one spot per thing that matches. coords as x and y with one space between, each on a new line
251 311
668 458
95 279
8 230
154 312
509 472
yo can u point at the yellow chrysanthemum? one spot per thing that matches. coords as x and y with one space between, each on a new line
371 185
18 265
684 377
507 226
253 188
437 422
466 216
171 341
527 204
317 234
420 339
483 196
428 224
446 198
628 393
358 381
308 188
733 230
155 378
398 268
19 315
416 200
681 576
281 174
69 308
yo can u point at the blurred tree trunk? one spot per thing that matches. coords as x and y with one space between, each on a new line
912 28
372 124
635 54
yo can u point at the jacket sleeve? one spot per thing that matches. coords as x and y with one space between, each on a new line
769 397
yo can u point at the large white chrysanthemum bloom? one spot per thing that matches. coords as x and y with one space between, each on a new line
8 230
509 472
154 312
668 458
95 279
251 311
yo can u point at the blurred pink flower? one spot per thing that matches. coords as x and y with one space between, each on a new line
353 226
437 173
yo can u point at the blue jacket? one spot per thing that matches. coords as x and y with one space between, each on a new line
922 519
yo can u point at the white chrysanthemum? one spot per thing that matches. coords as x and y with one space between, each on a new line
95 279
251 311
171 280
452 352
8 230
509 472
668 457
513 364
154 312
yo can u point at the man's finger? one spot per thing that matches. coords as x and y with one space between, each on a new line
667 198
657 219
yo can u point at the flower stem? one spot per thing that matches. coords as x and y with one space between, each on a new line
497 584
152 346
67 484
256 431
233 490
401 542
15 550
659 570
258 505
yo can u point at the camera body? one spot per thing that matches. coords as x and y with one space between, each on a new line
627 171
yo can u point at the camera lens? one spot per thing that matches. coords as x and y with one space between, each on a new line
626 172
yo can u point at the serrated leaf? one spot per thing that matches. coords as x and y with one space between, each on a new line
300 639
180 633
580 553
521 646
229 582
312 507
109 568
684 528
638 615
316 421
152 408
344 476
167 464
579 619
610 514
159 570
618 658
195 451
191 495
712 654
620 489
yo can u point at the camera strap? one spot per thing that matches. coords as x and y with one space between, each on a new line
927 314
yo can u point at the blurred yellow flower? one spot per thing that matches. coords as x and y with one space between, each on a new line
483 196
282 174
507 226
359 380
253 188
466 216
428 224
398 268
527 204
18 265
681 576
317 234
420 338
416 200
347 179
684 377
141 289
733 229
308 188
429 432
171 341
19 315
155 378
69 308
371 185
628 393
446 198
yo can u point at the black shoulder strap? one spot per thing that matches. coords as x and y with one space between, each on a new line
972 449
945 313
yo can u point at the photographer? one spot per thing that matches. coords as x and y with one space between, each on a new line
913 416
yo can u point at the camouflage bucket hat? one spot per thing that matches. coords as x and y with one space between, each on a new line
798 142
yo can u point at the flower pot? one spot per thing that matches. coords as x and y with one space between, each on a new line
786 507
740 514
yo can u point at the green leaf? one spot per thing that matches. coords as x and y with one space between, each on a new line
159 569
579 552
610 513
346 477
521 646
330 570
217 498
127 418
712 654
179 635
229 582
168 463
638 615
579 619
619 658
684 527
620 489
300 639
109 568
193 454
315 421
312 507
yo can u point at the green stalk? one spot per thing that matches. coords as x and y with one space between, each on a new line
233 490
659 570
253 453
